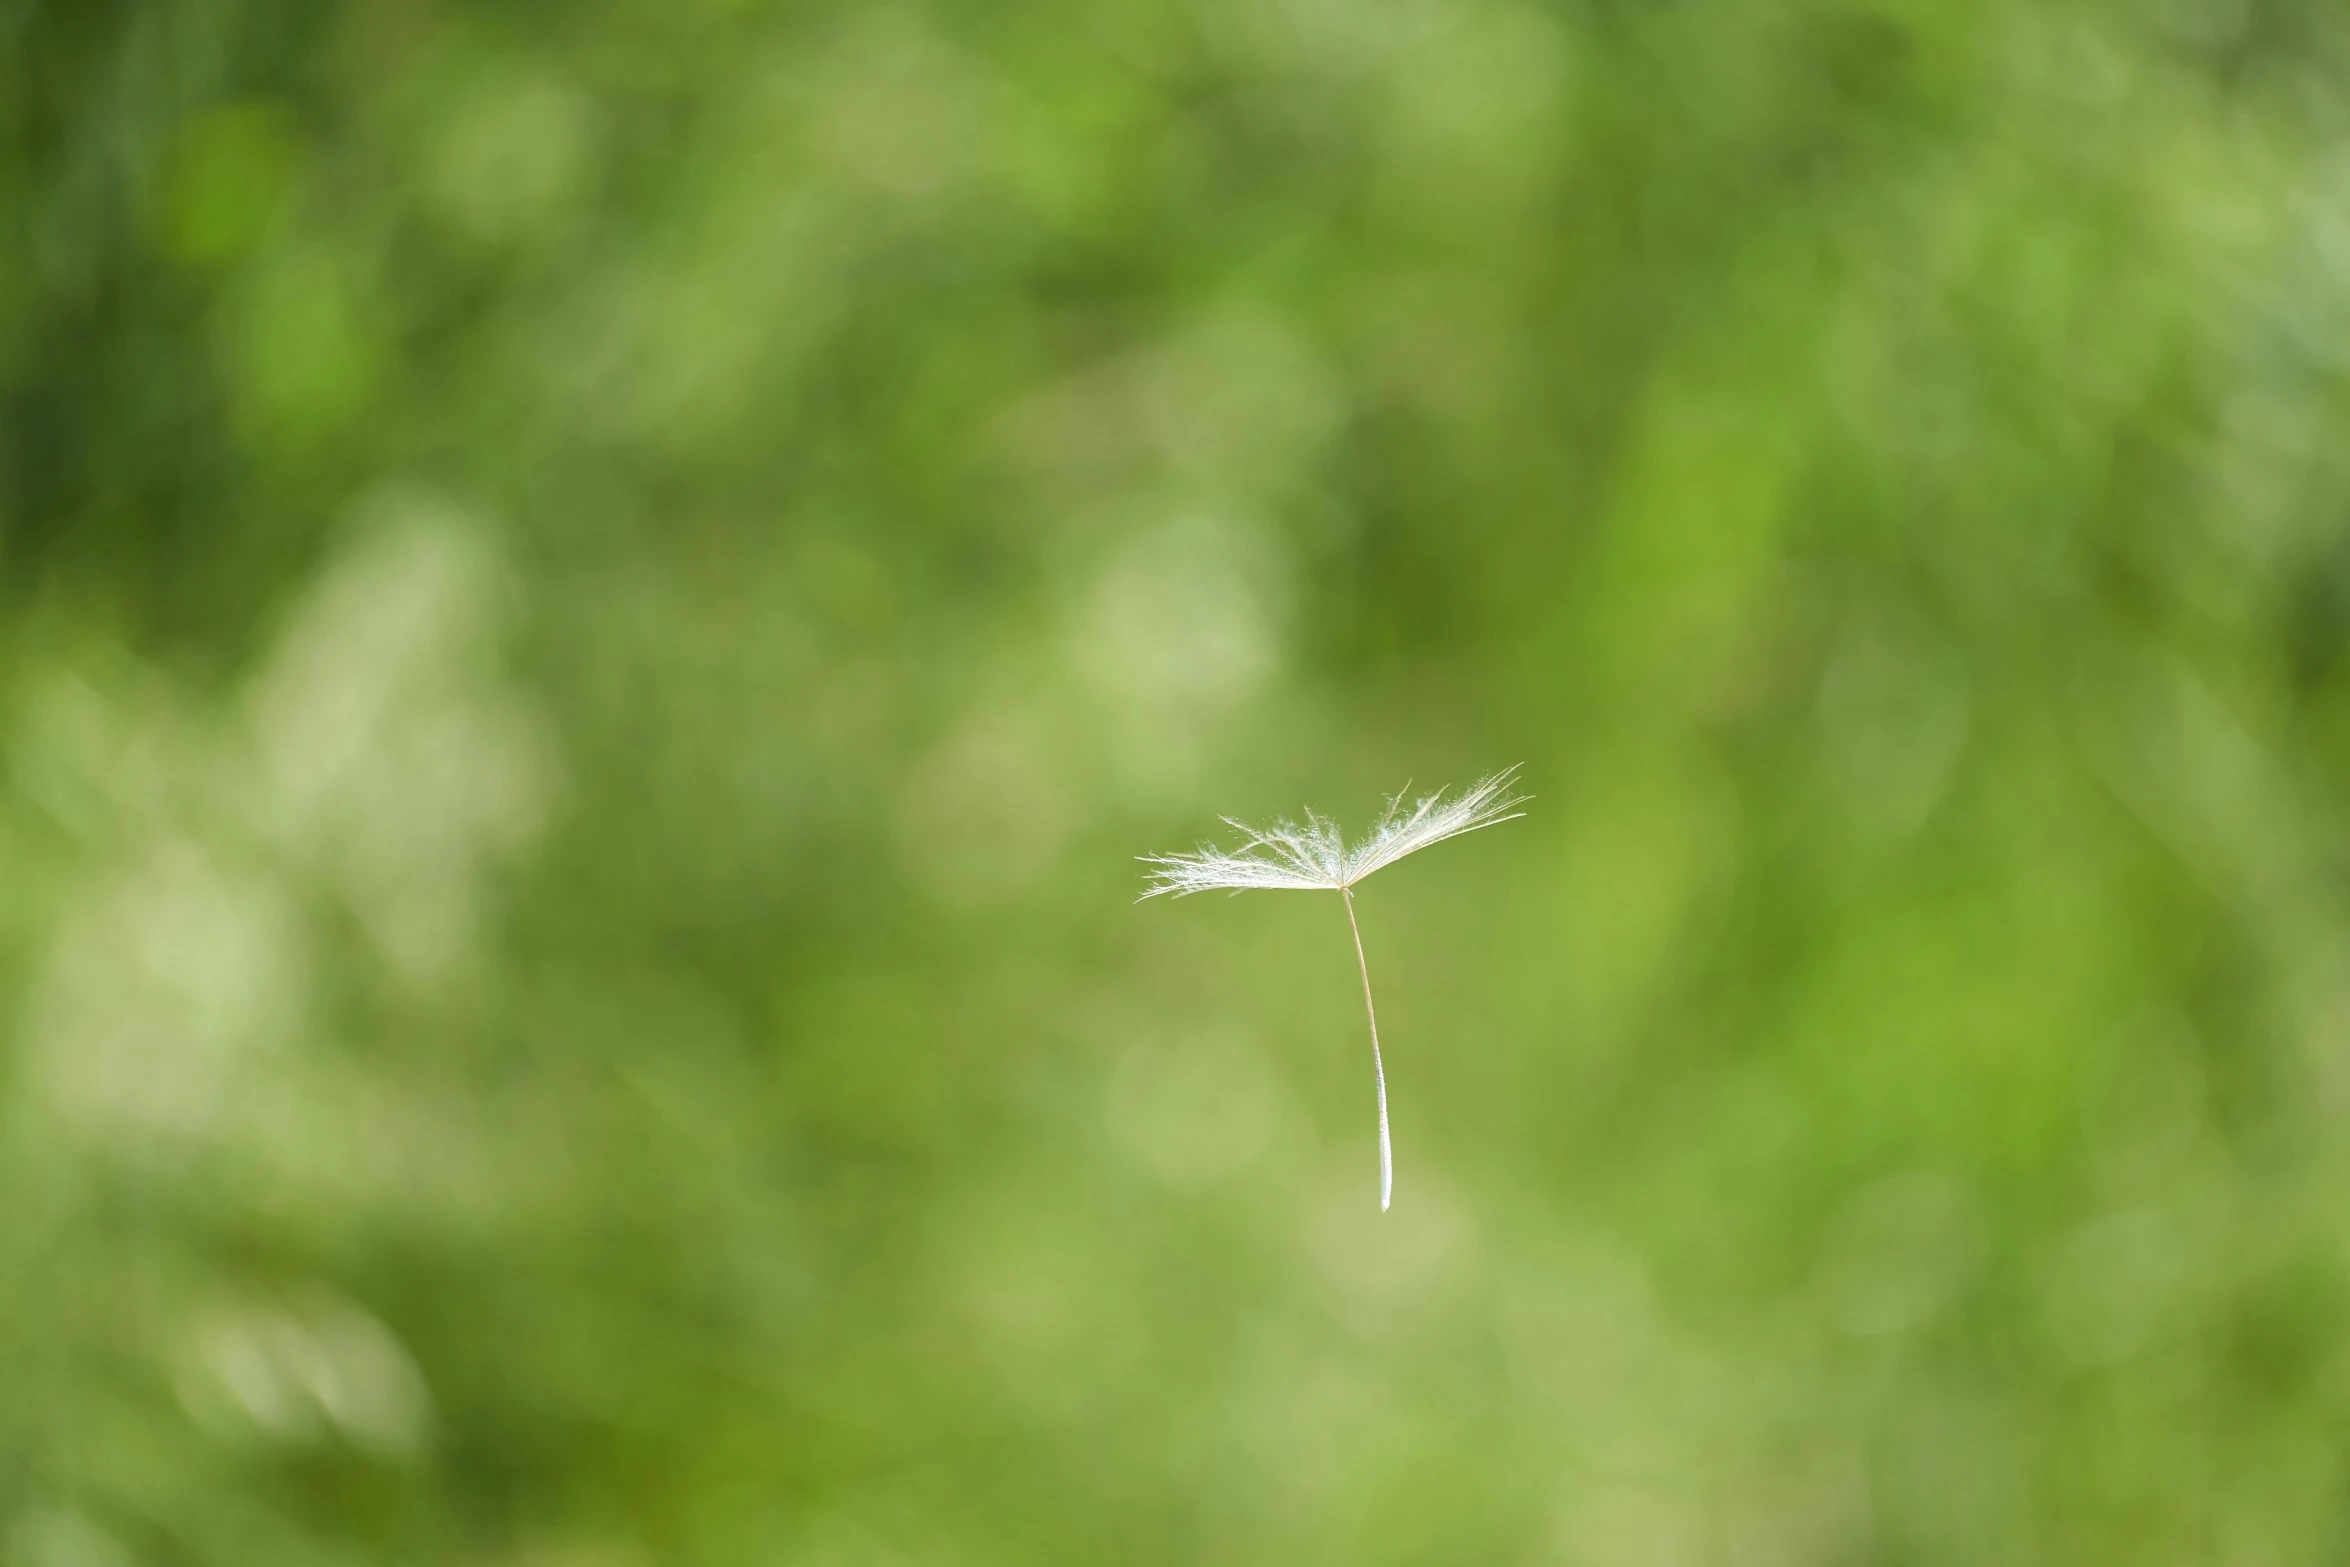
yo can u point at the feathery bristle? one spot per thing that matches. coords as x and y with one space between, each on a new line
1314 857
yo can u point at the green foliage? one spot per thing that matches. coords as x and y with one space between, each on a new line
595 601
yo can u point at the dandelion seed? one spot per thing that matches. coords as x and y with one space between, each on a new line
1315 858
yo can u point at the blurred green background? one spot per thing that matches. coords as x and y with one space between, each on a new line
596 599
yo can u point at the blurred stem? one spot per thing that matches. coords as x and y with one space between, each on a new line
1378 1071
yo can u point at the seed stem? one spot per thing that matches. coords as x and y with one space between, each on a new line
1378 1071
